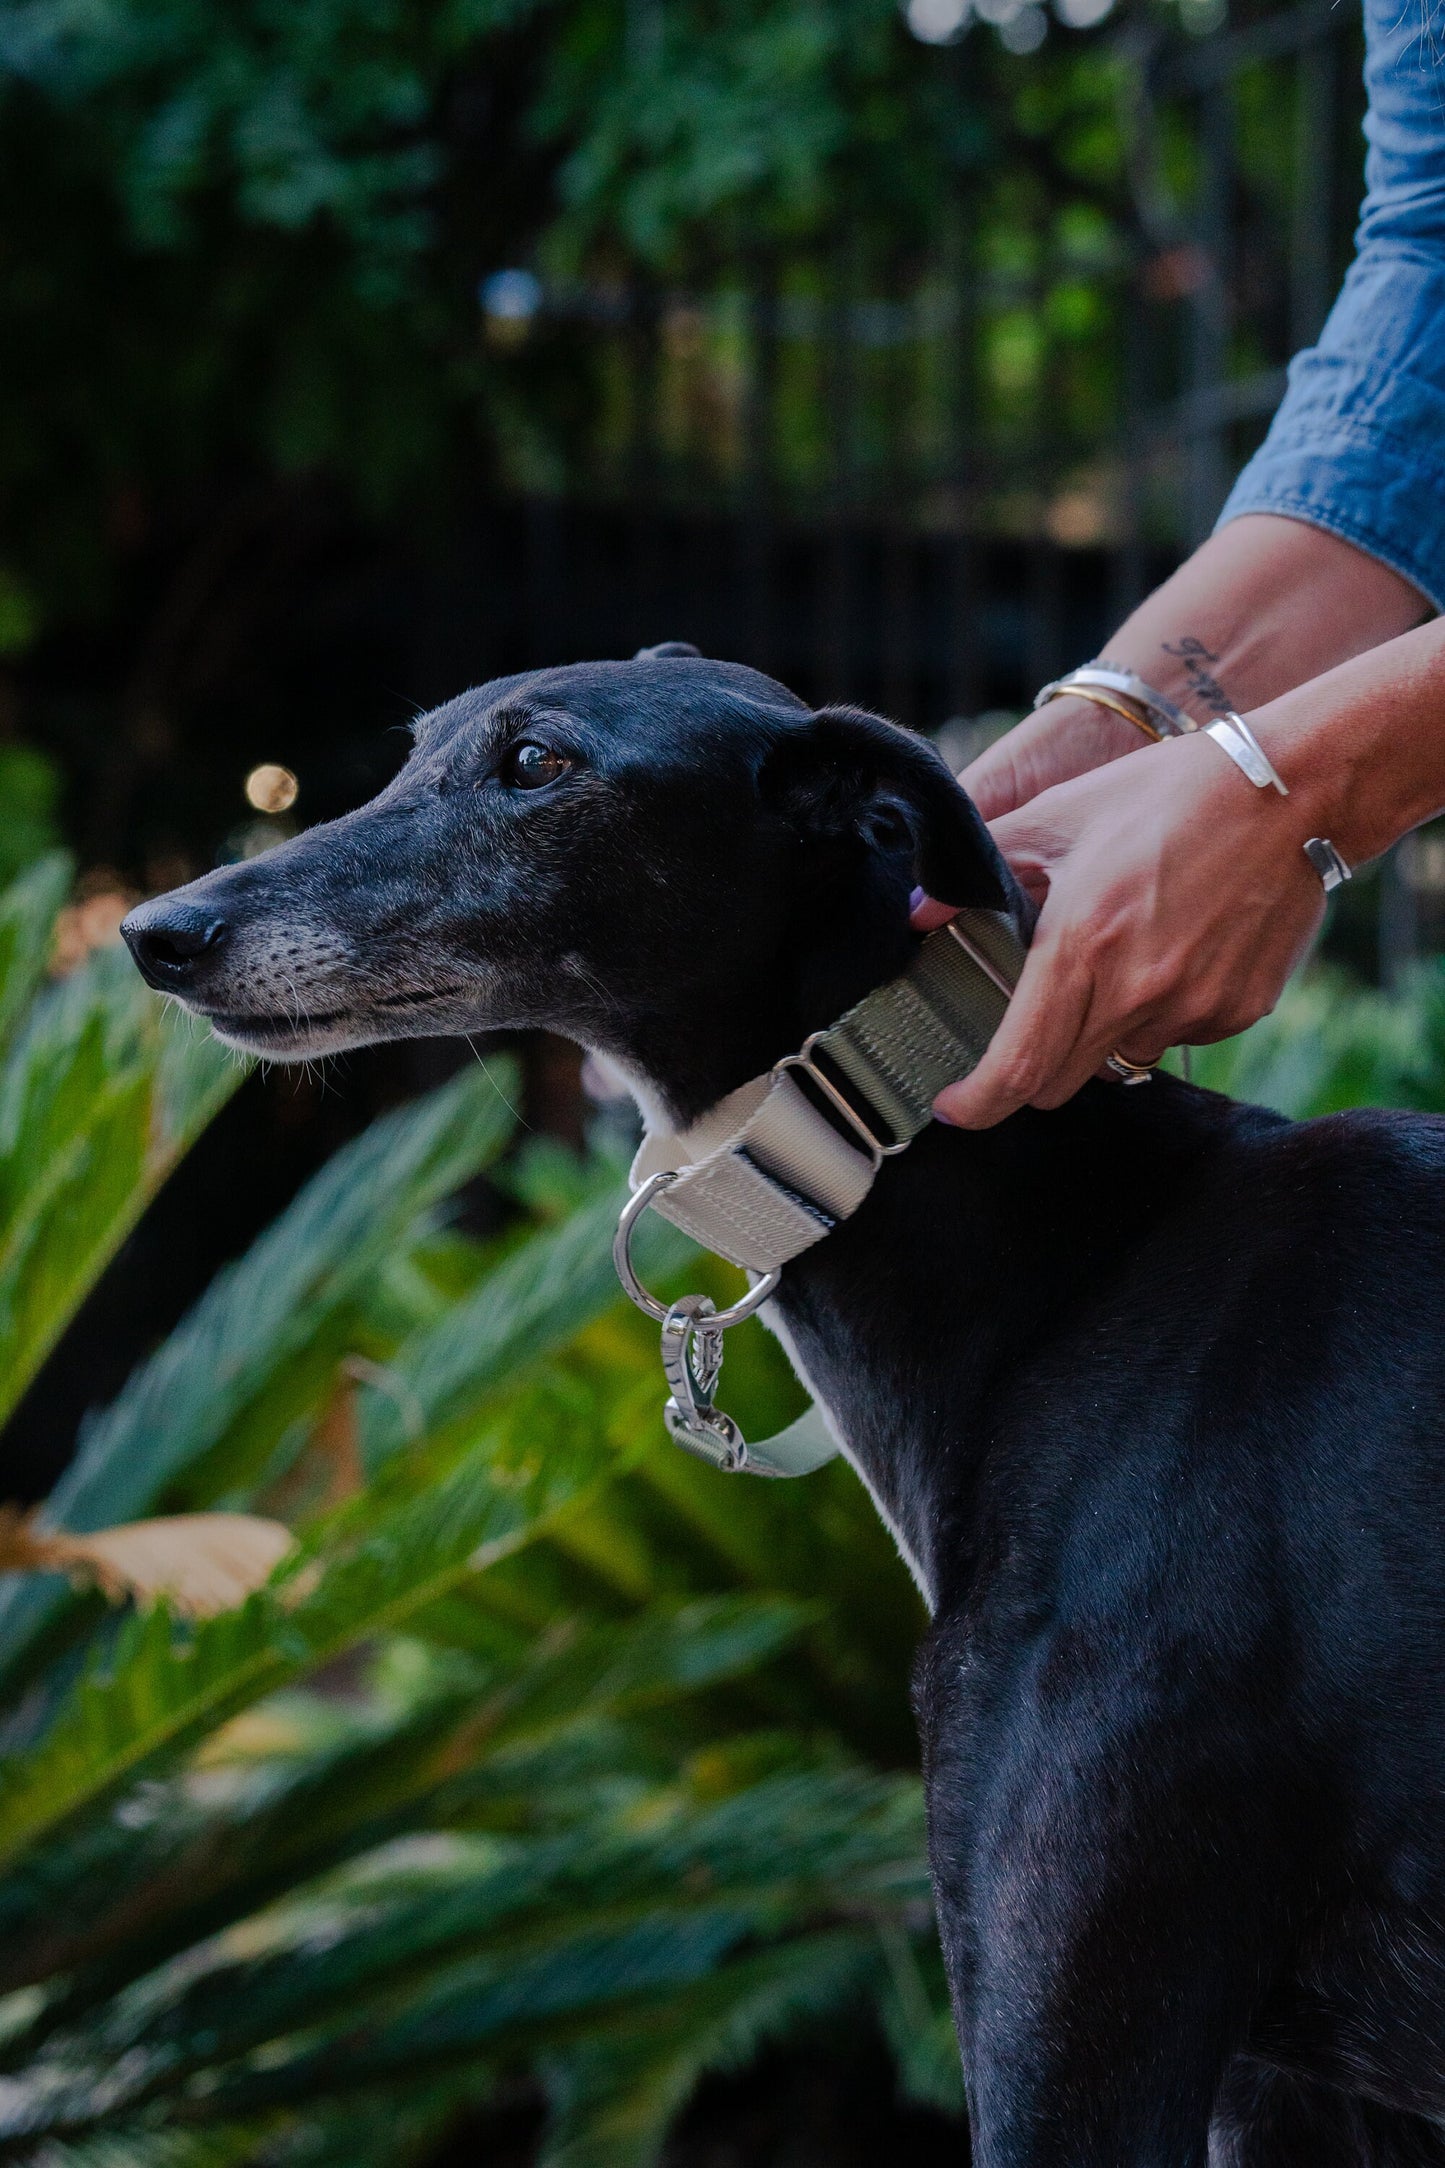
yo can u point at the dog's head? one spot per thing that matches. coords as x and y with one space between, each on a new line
671 860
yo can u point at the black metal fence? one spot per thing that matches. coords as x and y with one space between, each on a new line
930 485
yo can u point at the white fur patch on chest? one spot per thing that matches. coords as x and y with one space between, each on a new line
784 1338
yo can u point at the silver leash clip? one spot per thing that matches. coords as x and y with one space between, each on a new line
692 1353
692 1346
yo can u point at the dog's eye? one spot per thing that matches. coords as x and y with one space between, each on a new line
529 766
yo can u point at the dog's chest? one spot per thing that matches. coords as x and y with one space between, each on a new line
841 1410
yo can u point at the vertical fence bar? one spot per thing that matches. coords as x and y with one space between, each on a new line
1207 472
1042 657
840 385
1128 565
1398 919
898 631
963 677
759 525
1312 224
546 636
644 508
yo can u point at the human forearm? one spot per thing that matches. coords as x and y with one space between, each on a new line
1362 748
1262 606
1176 896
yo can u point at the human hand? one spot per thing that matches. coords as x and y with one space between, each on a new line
1064 739
1175 902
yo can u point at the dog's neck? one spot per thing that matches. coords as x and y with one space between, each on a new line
976 1256
741 1017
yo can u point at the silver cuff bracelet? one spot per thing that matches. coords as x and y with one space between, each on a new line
1233 733
1169 721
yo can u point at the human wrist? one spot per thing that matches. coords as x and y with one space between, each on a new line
1362 762
1264 605
1091 725
1360 748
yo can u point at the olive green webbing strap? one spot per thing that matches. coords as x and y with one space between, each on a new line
903 1042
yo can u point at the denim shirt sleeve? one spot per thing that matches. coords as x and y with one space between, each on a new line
1358 443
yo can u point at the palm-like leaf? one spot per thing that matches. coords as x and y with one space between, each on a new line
160 1689
465 1747
101 1090
260 1347
616 2096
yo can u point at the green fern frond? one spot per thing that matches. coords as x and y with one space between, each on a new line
912 2003
101 1089
161 1690
154 2148
536 1300
189 1872
258 1317
615 2099
28 911
434 1954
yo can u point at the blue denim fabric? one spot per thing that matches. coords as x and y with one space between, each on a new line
1358 443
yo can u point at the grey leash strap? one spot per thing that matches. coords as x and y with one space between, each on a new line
798 1450
777 1164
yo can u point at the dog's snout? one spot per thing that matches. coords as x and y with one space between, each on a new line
169 940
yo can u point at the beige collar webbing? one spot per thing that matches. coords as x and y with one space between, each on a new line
766 1173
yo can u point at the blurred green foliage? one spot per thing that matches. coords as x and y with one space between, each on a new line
248 242
29 798
1333 1044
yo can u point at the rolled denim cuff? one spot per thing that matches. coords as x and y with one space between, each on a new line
1358 444
1369 469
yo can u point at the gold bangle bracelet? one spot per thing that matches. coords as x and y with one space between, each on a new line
1104 700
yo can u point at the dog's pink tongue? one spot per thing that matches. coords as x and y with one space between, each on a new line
925 914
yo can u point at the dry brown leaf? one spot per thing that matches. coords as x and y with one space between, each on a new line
201 1562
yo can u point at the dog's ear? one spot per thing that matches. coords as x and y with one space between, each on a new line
850 778
666 650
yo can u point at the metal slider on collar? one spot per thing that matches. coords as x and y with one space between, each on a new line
803 1060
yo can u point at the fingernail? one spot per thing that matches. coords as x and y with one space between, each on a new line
916 898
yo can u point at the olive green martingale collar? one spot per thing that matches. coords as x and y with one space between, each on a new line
775 1166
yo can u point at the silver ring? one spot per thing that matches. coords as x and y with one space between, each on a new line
632 1211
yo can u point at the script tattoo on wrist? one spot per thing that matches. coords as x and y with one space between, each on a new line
1195 659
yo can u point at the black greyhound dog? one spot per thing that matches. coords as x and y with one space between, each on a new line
1150 1390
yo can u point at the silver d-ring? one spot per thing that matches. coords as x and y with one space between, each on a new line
632 1211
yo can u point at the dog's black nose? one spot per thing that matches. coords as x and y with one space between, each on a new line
168 940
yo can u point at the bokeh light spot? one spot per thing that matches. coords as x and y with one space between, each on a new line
938 22
271 788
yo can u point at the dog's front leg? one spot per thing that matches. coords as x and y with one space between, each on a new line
1105 1917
